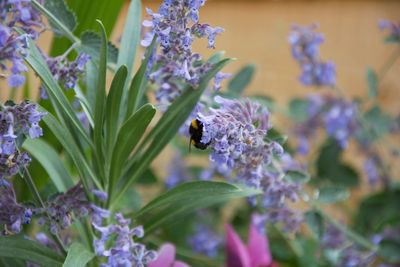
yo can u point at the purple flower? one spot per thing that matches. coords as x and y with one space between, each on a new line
59 210
13 47
305 44
176 26
12 214
336 115
117 245
66 72
236 132
205 241
392 27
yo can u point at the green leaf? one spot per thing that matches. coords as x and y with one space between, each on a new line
372 80
187 198
138 84
59 101
392 39
130 36
148 177
19 248
78 256
378 210
167 127
333 194
316 223
63 135
51 162
113 105
389 250
297 176
91 45
100 103
378 122
63 13
128 137
330 168
298 109
241 79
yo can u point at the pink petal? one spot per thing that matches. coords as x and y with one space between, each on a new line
258 248
236 252
180 264
166 256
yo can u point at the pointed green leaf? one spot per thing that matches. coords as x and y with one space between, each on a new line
78 256
241 79
63 135
297 176
51 162
128 137
113 105
19 248
316 222
138 84
187 198
130 36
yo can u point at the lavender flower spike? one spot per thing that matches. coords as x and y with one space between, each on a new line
176 25
305 44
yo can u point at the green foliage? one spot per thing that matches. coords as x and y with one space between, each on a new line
78 256
187 198
316 223
332 194
20 248
63 13
378 210
298 109
51 162
241 79
91 45
297 176
377 122
331 169
372 80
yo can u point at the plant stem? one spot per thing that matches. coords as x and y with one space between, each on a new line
388 65
28 178
348 232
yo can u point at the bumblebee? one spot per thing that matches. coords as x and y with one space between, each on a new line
196 132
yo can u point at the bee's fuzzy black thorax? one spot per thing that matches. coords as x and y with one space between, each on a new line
196 133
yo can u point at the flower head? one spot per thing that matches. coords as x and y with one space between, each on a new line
205 241
12 214
13 47
176 25
392 27
117 245
305 44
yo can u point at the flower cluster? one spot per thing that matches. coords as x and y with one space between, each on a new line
124 251
66 72
21 14
205 241
176 26
236 133
12 214
305 44
350 254
336 115
58 212
392 27
15 121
